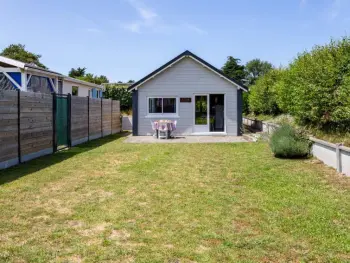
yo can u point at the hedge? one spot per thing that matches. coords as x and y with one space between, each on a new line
314 88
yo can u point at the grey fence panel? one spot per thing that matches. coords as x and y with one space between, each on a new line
27 123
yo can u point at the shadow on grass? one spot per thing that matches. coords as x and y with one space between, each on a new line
15 172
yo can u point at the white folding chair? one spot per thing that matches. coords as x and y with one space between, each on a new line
154 129
174 128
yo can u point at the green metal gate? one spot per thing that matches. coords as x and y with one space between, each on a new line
62 121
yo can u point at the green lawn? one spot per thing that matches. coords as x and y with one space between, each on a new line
114 202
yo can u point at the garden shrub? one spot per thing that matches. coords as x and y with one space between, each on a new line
121 93
318 83
262 97
314 88
286 142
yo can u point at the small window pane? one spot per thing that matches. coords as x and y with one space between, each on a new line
169 105
201 110
155 105
75 90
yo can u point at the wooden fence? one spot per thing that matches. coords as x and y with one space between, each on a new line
27 124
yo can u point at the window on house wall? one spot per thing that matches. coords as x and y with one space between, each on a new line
162 105
97 93
75 90
39 84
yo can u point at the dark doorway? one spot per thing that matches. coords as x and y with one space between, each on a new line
217 112
62 121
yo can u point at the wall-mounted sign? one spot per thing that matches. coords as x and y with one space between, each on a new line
185 99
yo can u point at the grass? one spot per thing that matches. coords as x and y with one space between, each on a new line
114 202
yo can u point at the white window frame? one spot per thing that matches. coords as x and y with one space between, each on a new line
163 115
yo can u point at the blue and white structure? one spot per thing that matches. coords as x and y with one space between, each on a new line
16 75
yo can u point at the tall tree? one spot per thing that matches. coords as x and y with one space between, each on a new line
77 73
233 69
80 73
256 68
19 52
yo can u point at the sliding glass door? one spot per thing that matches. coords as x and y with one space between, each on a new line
209 113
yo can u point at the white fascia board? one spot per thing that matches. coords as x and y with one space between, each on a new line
39 72
12 62
78 81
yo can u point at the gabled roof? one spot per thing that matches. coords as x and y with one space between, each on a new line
33 67
180 57
83 82
22 65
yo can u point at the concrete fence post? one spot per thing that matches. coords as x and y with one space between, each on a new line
338 158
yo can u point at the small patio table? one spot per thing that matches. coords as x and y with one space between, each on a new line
165 127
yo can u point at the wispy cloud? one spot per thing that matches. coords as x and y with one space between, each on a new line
196 29
150 20
302 3
85 24
93 30
334 9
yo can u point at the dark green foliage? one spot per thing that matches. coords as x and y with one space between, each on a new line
77 73
263 95
18 52
233 69
255 69
314 88
121 93
80 73
319 86
286 142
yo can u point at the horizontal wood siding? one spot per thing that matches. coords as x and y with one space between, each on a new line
36 123
106 117
95 118
8 125
79 118
116 124
184 79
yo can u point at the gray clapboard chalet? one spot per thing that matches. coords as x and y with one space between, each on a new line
201 98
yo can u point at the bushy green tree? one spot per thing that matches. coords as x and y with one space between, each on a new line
255 69
263 95
80 73
318 82
77 73
234 69
19 52
121 93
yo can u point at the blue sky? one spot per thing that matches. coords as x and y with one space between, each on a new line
127 39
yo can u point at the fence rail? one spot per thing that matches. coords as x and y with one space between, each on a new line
333 155
28 123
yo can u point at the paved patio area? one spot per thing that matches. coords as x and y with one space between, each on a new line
186 139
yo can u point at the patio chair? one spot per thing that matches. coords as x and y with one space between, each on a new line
171 135
162 132
155 134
